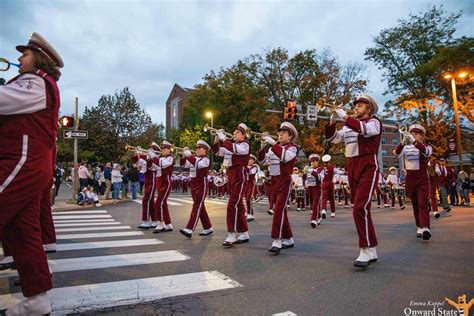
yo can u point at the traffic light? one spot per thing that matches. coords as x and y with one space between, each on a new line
289 112
67 121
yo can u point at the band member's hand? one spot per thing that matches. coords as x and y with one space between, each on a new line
269 140
341 113
411 138
221 135
216 139
262 144
151 153
405 141
332 119
186 152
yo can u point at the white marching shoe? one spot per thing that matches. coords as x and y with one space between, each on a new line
159 228
426 234
437 214
186 232
250 217
363 260
419 232
276 246
333 214
287 243
323 214
7 263
144 225
153 224
230 240
206 232
314 224
270 212
373 255
168 227
243 238
34 305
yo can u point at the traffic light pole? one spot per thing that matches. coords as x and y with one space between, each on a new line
75 167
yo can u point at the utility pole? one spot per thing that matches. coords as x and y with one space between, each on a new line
75 179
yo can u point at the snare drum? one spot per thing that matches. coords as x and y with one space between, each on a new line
400 191
300 193
385 189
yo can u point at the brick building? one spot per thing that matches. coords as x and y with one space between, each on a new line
174 107
389 141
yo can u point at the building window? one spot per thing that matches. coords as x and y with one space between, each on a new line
397 165
174 114
384 140
385 165
384 153
395 141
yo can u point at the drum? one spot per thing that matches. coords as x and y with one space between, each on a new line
385 189
300 193
400 191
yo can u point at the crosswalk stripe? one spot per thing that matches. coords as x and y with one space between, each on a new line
80 298
86 224
84 221
98 235
108 244
110 261
84 229
169 202
105 244
191 202
56 217
81 212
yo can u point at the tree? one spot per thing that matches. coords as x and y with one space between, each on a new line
116 121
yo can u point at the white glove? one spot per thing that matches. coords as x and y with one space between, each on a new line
221 135
269 140
151 153
340 113
332 119
411 138
186 153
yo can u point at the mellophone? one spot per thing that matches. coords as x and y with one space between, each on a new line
5 64
249 133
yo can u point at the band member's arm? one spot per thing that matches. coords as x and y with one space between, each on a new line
215 147
27 94
368 129
203 163
399 149
262 155
333 135
187 162
285 155
237 148
165 162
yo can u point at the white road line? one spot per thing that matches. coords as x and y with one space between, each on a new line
111 261
84 221
105 244
81 212
56 217
87 224
98 235
287 313
81 298
84 229
191 202
169 202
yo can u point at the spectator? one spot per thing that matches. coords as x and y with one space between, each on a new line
125 181
58 175
108 179
87 196
134 176
116 181
101 180
84 176
464 187
141 166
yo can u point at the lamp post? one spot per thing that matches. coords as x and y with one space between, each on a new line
456 116
211 116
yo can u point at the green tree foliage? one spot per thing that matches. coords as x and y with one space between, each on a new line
117 120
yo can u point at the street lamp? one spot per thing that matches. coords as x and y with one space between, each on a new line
455 105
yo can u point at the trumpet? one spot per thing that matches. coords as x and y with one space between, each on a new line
259 136
403 130
182 149
214 131
5 64
140 150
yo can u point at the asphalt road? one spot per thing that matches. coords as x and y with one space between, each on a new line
314 278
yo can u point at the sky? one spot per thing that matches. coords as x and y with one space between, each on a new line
150 45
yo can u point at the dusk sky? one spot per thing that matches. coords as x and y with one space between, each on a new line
150 45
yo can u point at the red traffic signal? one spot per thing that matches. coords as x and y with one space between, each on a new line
67 121
289 113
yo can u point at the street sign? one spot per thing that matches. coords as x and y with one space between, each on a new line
311 114
75 134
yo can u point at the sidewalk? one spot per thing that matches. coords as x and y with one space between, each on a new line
65 205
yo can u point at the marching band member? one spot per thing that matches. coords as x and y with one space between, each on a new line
250 172
328 186
269 191
184 182
149 218
199 166
361 135
344 184
380 191
164 169
416 155
433 203
336 180
281 158
315 178
212 187
393 181
443 183
29 107
236 156
298 186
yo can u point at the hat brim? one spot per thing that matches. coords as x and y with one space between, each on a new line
288 130
21 48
